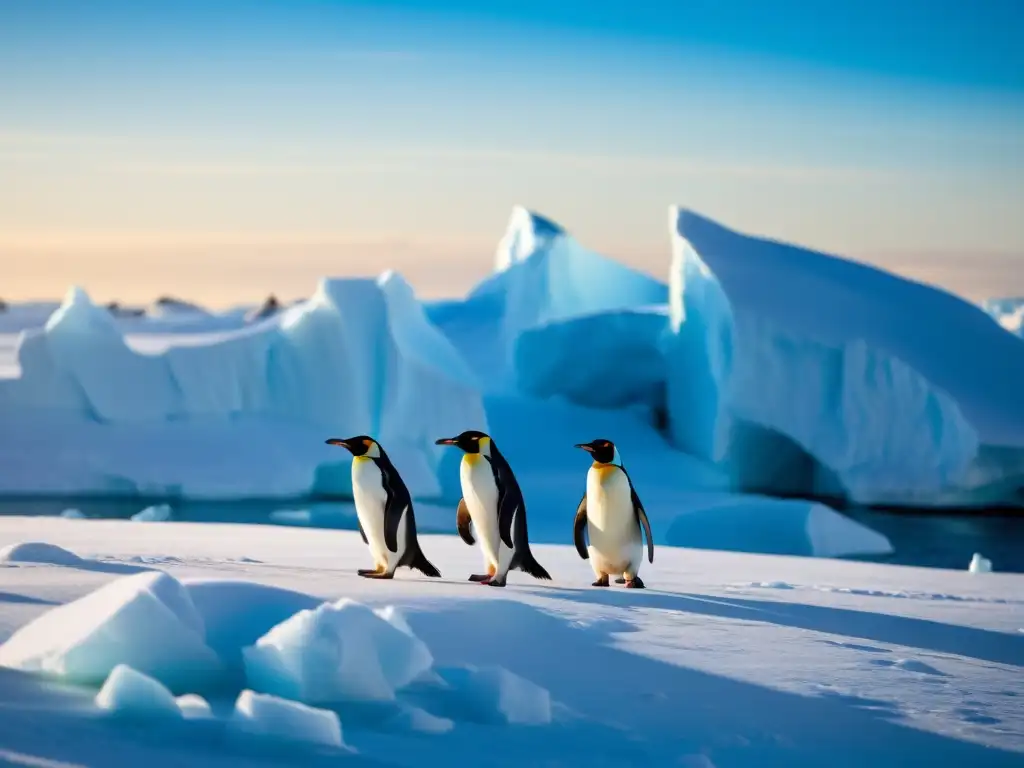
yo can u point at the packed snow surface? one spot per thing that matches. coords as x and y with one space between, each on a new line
724 660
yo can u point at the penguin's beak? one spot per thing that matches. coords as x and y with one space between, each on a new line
338 441
445 441
585 446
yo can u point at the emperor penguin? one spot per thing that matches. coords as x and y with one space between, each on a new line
492 502
611 514
383 510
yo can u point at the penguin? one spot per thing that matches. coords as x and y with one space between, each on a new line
612 515
492 502
383 511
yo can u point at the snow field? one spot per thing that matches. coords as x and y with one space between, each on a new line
736 659
143 639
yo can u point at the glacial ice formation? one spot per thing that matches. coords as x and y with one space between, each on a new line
780 353
358 357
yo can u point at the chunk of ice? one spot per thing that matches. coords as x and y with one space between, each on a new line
194 707
131 693
337 652
269 716
159 513
980 564
145 621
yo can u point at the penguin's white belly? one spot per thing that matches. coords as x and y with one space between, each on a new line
615 543
370 500
481 495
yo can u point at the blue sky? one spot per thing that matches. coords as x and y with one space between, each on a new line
152 144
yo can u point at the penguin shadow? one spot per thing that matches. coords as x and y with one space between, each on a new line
618 705
923 634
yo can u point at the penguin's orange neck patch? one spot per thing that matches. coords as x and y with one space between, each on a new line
603 470
472 458
361 458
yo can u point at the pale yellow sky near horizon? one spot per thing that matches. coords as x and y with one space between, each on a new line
224 270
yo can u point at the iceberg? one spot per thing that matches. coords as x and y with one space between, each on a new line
240 413
542 275
807 373
599 360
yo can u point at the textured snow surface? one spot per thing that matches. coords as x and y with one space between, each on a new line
725 660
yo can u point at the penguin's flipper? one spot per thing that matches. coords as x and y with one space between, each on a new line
641 517
462 521
393 512
507 504
579 526
507 508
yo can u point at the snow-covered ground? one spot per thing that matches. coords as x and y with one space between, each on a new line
726 660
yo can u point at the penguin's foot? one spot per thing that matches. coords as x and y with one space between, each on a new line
481 577
620 580
367 571
635 583
495 583
601 582
383 575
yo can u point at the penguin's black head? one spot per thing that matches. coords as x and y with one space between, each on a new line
603 451
360 445
471 441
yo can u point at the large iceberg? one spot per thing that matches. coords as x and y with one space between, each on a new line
804 370
243 414
542 276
